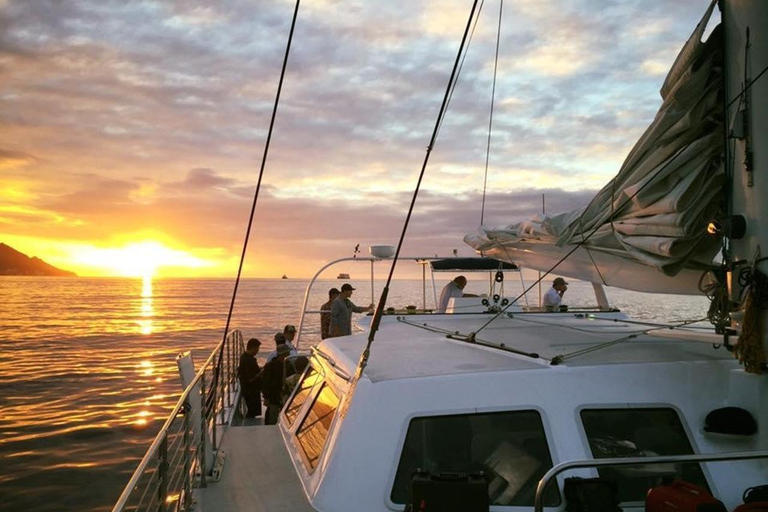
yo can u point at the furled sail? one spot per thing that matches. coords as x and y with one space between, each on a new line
653 215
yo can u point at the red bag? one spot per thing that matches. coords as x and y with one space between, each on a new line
681 496
758 506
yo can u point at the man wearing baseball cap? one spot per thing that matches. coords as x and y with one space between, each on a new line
341 312
554 295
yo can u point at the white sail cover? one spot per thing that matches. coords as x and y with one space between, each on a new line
646 229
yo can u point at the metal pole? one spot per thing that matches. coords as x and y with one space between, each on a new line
636 461
187 488
373 292
162 474
543 212
201 446
215 415
230 364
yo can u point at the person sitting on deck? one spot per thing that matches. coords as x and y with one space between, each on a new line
249 374
300 364
454 289
341 312
272 380
554 295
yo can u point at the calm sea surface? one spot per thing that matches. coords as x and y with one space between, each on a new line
88 373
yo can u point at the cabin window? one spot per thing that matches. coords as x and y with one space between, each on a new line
317 423
639 433
509 446
301 394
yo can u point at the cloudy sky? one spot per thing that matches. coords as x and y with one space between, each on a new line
131 132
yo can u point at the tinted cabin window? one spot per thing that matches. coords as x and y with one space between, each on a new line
639 433
314 429
300 396
508 446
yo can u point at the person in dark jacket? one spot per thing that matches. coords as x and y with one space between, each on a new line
249 374
325 315
272 384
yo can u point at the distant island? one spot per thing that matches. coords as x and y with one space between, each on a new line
14 263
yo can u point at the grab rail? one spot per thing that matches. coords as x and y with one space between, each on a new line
176 459
635 461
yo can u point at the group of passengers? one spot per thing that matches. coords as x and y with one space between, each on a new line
336 314
273 383
455 289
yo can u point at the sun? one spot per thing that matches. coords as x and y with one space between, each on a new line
138 259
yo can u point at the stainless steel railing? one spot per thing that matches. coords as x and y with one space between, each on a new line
538 505
176 460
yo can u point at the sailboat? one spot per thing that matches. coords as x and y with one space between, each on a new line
518 409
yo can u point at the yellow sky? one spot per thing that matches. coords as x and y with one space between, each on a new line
131 153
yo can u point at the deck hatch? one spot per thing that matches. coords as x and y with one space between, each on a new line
509 446
639 432
316 424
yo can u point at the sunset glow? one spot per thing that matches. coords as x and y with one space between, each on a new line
140 259
134 153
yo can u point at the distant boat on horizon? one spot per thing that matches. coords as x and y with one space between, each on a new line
342 276
284 277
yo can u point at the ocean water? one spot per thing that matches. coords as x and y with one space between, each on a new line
88 374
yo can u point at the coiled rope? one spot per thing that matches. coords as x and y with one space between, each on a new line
749 349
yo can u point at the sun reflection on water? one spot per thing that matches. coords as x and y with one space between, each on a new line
147 368
146 325
142 419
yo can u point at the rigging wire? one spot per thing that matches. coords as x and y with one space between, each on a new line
463 58
490 117
385 291
744 91
256 193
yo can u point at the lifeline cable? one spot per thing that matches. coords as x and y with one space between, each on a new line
256 194
385 291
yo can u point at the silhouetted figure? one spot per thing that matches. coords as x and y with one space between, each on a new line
249 374
325 318
272 384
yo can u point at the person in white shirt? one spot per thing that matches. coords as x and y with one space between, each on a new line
453 289
554 295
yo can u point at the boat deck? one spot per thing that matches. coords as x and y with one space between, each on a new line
411 346
258 475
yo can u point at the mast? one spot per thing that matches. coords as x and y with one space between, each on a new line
746 50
